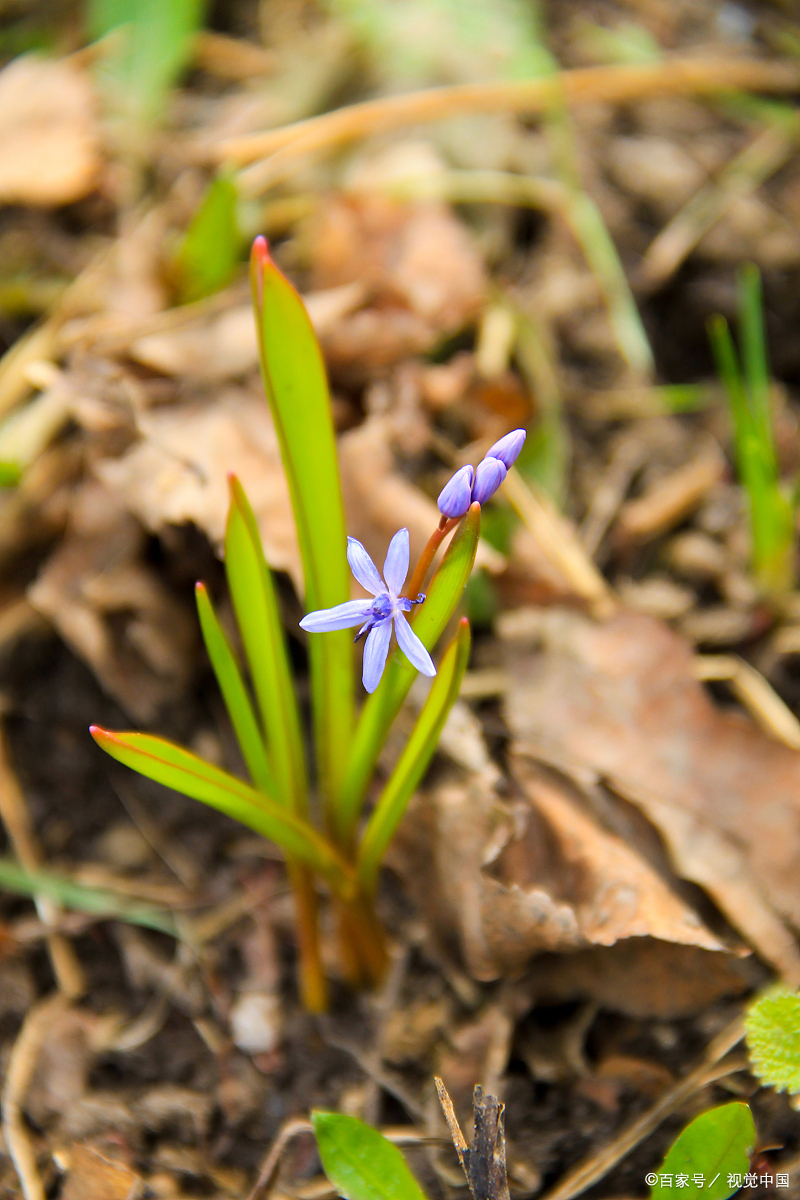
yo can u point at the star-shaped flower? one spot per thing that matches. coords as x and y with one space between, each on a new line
377 614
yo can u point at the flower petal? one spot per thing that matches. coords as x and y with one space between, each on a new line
341 616
507 449
395 568
455 496
376 649
412 647
489 474
363 567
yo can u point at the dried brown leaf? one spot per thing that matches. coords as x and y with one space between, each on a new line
93 1175
418 264
620 700
178 472
49 135
112 609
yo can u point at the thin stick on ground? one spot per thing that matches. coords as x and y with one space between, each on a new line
592 1169
16 819
21 1067
763 157
558 540
283 148
289 1130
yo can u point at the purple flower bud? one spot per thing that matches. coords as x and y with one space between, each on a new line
489 474
456 495
508 448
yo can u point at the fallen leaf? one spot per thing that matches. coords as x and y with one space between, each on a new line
49 134
618 699
178 472
112 609
513 881
417 263
93 1175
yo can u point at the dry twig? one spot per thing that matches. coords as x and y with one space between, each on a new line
16 819
21 1067
594 1168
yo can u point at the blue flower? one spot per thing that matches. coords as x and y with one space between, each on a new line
467 486
489 474
377 614
508 448
456 495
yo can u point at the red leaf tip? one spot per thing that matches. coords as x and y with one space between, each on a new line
261 250
199 586
259 259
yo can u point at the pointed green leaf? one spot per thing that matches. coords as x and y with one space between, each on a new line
380 710
715 1145
258 617
413 762
155 44
360 1162
234 693
78 896
297 390
183 771
754 353
209 253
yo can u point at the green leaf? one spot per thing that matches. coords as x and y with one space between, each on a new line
747 389
178 768
380 710
297 390
207 257
77 896
155 44
234 693
10 474
714 1145
772 1031
754 354
360 1162
257 614
413 762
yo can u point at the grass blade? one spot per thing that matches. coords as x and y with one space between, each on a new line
77 896
414 760
754 352
297 390
256 606
209 253
155 46
380 710
234 693
177 768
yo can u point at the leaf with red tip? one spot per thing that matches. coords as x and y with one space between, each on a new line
297 390
177 768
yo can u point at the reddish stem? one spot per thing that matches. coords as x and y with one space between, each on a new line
446 524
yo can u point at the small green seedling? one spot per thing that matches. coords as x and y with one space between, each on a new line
208 255
280 801
710 1159
772 1032
747 389
360 1162
150 44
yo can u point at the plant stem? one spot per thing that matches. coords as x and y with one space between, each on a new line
363 943
426 558
311 977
